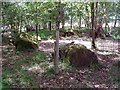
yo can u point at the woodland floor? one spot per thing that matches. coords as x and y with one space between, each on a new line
26 69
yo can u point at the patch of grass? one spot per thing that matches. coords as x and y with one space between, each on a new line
49 70
116 32
39 56
14 34
114 73
16 75
7 73
114 80
0 85
84 29
94 66
36 57
66 65
43 32
19 77
116 63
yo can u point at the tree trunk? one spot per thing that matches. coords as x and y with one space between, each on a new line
115 14
44 25
80 22
20 26
63 24
50 24
71 22
63 20
115 21
56 61
36 27
39 26
93 28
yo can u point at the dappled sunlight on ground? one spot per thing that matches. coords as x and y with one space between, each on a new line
42 71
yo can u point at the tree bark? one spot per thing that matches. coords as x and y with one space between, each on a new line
63 20
44 24
56 61
115 21
80 22
71 20
63 24
50 24
36 27
115 14
93 28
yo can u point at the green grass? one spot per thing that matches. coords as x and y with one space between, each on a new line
16 75
116 32
49 70
94 67
84 29
114 73
65 64
43 32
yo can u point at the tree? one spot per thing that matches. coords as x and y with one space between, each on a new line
93 27
62 16
10 14
56 62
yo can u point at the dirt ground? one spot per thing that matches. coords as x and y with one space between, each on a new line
107 52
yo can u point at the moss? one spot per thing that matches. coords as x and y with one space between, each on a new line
78 55
25 41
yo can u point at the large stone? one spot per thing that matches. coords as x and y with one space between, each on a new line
66 33
30 28
78 55
25 41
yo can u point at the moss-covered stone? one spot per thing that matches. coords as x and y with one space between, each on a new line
78 55
25 41
66 33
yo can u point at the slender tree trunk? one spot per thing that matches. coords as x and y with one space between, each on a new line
115 14
56 62
71 22
44 25
93 29
115 21
80 22
50 24
63 24
36 27
63 20
39 26
20 26
96 12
